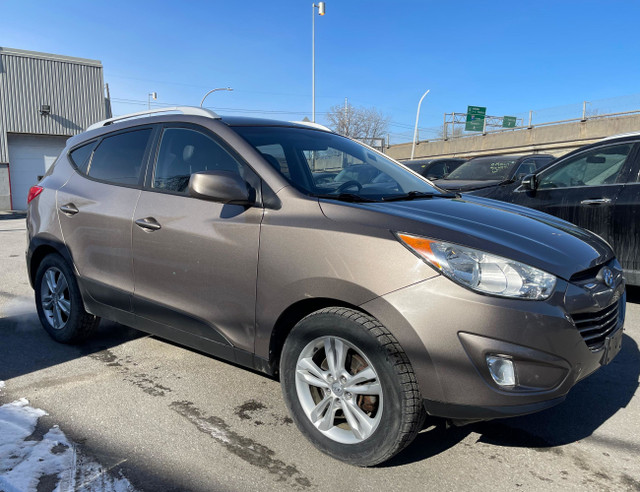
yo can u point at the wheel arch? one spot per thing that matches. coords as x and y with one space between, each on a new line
39 248
291 316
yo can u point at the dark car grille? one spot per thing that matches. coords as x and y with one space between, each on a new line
596 326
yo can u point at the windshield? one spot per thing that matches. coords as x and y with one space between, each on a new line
484 168
331 166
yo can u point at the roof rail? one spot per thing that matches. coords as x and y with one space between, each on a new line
190 110
630 134
311 124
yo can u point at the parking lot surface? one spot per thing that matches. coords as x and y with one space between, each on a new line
168 418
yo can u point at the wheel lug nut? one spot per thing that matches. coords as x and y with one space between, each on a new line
348 395
330 379
343 379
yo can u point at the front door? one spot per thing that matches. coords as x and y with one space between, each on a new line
583 188
195 261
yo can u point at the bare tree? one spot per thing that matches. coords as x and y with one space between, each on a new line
364 124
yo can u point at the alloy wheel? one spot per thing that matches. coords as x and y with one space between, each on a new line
339 390
55 298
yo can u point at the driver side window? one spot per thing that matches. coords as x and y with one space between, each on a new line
596 167
528 166
184 152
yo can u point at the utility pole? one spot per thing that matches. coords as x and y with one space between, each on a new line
321 11
346 116
153 95
444 127
108 102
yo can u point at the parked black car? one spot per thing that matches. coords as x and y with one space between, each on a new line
596 187
492 171
433 168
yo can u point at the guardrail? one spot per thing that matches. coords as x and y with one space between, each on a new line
530 125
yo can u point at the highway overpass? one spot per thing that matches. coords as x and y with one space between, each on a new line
555 139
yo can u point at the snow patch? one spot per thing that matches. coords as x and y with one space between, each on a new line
27 461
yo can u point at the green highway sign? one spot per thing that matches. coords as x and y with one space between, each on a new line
475 118
509 122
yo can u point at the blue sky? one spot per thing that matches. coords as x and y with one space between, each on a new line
507 56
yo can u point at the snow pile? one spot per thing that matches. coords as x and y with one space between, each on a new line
26 461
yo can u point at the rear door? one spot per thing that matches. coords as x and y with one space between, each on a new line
96 207
195 261
583 188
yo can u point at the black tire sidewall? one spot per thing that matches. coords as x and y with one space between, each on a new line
72 330
377 446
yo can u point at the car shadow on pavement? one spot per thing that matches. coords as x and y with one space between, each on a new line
27 348
633 294
588 405
13 215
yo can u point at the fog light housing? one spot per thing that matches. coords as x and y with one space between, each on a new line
502 370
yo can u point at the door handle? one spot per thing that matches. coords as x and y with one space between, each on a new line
69 209
148 224
596 201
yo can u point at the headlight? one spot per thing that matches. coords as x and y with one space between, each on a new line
482 271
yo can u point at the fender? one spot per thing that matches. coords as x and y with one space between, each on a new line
41 245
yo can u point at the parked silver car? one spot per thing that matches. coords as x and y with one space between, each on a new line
375 303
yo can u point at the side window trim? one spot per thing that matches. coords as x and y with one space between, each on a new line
74 164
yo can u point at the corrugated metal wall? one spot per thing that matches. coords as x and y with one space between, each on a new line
73 89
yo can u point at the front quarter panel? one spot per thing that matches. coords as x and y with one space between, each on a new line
305 255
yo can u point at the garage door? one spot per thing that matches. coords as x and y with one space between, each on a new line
29 157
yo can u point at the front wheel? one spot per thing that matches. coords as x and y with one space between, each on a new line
350 387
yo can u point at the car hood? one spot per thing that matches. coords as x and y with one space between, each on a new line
467 184
504 229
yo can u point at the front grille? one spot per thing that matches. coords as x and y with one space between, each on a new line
596 326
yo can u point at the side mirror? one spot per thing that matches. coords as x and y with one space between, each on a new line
220 186
529 182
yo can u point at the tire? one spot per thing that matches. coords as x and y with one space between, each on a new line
59 303
367 407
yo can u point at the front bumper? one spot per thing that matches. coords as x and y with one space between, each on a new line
457 328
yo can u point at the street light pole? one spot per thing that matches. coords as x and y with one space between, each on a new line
153 95
213 90
320 8
415 132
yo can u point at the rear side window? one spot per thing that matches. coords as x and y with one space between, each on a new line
80 156
118 159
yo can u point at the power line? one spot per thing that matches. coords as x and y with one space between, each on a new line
140 102
207 86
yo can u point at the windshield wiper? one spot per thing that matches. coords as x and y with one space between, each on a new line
413 195
345 197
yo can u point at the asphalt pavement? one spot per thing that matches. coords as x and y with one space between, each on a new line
169 418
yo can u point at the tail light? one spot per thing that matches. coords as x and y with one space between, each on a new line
34 191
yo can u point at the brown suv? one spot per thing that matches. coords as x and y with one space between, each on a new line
375 301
